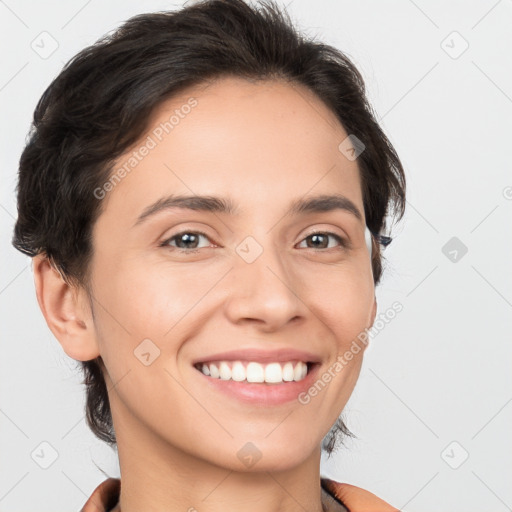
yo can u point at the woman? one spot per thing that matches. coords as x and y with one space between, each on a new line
203 195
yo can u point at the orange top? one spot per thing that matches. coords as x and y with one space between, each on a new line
336 497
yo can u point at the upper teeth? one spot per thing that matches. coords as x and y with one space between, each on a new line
255 372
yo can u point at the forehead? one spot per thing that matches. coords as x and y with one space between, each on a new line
261 141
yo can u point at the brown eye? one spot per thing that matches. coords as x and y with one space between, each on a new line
320 240
186 241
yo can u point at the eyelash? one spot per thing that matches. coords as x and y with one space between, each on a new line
345 244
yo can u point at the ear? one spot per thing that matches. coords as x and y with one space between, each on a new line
66 311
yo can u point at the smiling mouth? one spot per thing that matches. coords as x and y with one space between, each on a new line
254 372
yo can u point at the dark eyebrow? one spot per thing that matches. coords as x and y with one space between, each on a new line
201 203
325 203
321 203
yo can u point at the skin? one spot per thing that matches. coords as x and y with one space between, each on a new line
263 145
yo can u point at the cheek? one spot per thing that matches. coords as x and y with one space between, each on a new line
146 298
341 298
138 301
142 300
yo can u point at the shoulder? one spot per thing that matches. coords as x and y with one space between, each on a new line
355 499
342 497
105 497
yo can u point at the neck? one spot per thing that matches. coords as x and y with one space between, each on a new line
157 476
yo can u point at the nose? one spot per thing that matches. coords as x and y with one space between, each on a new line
264 292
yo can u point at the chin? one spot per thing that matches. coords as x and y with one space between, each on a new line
266 454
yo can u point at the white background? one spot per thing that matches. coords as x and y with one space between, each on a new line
438 373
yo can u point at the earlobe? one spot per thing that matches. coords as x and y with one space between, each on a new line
65 310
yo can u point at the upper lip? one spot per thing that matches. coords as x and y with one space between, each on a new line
261 356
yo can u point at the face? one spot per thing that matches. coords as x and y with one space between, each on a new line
182 285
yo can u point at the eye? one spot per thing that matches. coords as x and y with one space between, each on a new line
320 238
186 241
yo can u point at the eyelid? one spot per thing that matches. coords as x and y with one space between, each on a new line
327 228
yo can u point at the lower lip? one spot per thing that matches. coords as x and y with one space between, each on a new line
260 393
